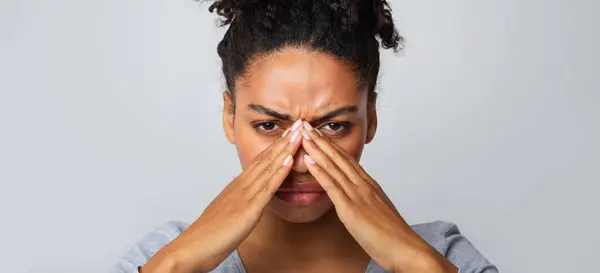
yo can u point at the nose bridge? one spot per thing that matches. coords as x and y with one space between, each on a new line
299 164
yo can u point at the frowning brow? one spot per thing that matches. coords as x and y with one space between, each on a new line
268 112
335 113
272 113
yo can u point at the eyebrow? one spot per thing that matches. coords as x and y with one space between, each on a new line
270 112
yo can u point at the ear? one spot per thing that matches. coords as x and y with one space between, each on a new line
228 115
371 118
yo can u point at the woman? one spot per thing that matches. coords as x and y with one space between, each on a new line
300 107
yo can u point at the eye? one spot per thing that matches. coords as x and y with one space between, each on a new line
333 126
336 127
267 126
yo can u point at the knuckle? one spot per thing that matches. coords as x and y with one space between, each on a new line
366 196
264 188
268 157
257 159
268 169
332 184
336 155
270 190
336 185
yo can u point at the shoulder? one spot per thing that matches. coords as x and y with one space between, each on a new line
436 233
148 245
447 239
166 232
159 237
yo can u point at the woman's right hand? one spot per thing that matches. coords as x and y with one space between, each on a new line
232 215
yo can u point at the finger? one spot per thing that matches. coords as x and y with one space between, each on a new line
353 162
328 166
351 168
361 171
266 154
355 165
265 158
332 188
273 183
331 152
274 167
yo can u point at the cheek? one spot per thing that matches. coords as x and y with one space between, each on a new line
353 149
249 144
352 144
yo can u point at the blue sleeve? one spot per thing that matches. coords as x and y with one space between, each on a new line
447 239
464 255
151 243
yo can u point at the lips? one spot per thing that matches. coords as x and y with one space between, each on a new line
299 187
300 193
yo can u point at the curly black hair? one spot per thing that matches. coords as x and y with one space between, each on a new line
351 30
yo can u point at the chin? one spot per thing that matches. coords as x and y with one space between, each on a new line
305 213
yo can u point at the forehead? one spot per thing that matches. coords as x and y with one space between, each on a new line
299 80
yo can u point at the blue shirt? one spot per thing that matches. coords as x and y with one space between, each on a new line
443 236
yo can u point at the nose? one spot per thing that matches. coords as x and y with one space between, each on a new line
299 165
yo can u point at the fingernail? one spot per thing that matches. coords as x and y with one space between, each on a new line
309 159
287 160
318 132
285 133
294 136
307 126
296 125
306 135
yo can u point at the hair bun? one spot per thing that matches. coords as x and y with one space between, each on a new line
228 9
367 17
373 17
224 8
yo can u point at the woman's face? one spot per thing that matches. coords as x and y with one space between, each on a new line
293 84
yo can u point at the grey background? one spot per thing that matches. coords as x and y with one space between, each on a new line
110 125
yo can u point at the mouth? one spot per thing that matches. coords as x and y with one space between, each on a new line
304 186
300 193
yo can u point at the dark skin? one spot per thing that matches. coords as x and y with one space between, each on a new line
281 89
302 84
290 85
300 116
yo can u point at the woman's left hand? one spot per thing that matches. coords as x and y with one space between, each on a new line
365 210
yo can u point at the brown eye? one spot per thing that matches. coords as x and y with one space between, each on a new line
336 129
335 126
267 126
